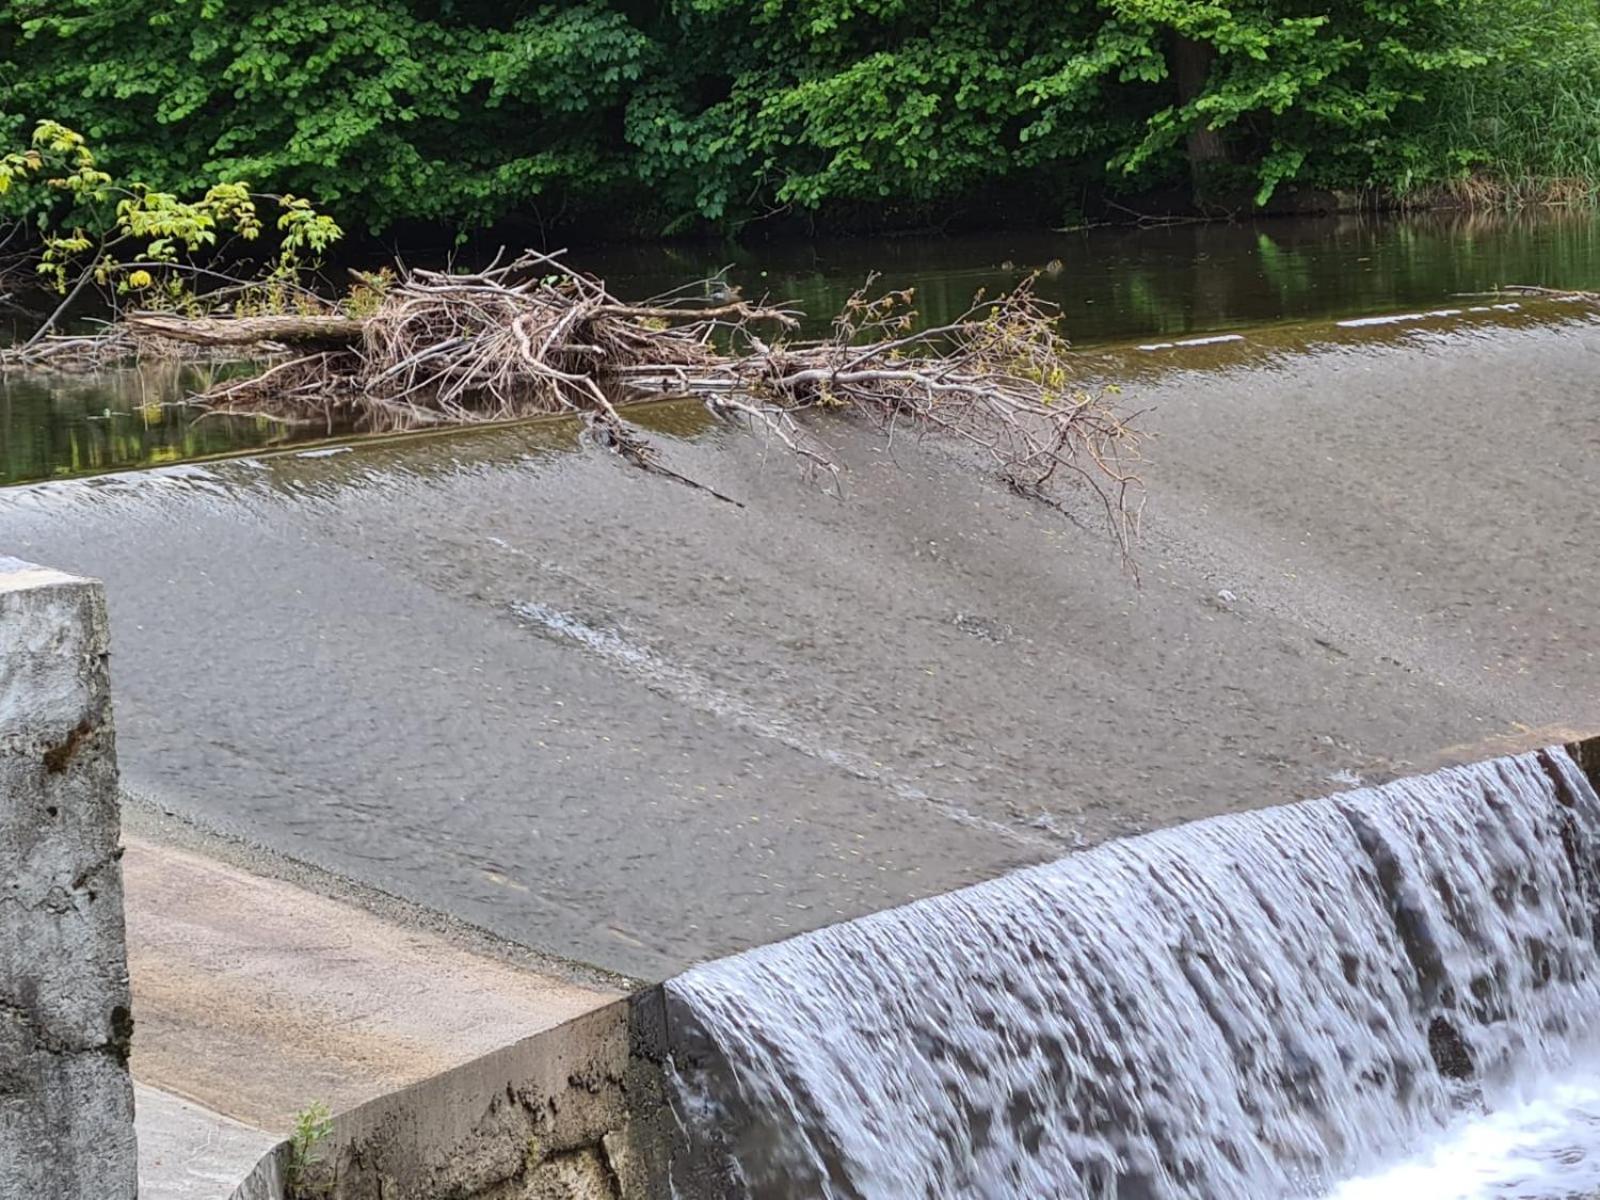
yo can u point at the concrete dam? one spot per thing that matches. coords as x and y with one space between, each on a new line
575 835
1264 1006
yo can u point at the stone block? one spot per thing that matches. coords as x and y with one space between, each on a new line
66 1099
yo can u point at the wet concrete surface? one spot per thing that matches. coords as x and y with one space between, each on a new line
620 721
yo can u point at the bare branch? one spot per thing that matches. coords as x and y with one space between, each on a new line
533 335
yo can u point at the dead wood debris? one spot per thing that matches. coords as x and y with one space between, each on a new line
536 336
1529 289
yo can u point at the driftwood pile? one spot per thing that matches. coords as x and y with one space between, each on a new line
535 336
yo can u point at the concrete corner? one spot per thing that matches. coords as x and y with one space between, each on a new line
188 1152
66 1100
549 1117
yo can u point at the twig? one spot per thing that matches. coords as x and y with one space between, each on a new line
50 321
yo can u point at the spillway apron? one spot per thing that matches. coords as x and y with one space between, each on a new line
1321 999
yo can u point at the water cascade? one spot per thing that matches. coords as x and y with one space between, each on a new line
1300 1002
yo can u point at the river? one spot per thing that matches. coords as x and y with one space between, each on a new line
622 722
1113 284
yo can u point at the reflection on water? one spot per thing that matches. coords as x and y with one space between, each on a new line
54 425
1113 284
1148 284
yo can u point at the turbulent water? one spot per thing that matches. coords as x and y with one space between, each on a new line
1385 993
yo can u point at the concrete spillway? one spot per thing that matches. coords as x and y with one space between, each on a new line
1255 1007
595 711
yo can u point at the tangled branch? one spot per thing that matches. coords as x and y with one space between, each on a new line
998 380
535 336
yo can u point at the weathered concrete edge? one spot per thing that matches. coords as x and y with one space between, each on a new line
267 1179
18 575
67 1127
582 1103
145 816
1586 753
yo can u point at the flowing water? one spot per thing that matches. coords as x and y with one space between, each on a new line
1386 993
1113 284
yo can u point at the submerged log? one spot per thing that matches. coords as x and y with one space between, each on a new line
319 329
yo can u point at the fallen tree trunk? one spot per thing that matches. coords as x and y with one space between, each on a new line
287 328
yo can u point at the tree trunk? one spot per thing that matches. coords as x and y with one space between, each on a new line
1191 67
246 331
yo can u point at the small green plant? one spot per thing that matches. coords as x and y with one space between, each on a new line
366 295
312 1125
152 246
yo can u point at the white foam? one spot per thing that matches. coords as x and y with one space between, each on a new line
1401 318
1254 1007
1547 1148
1365 322
1216 340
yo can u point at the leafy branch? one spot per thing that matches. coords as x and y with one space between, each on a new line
136 241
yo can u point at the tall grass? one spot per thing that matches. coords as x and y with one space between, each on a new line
1525 129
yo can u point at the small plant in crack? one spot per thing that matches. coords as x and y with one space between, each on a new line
312 1125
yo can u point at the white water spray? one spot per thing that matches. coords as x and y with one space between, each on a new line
1256 1007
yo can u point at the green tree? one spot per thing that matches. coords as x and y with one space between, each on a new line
381 109
1291 90
682 112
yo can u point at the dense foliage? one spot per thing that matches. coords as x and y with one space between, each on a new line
159 249
129 235
673 113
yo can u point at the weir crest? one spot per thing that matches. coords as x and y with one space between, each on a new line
1259 1006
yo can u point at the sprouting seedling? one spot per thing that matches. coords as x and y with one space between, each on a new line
312 1125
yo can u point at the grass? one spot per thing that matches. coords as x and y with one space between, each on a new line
1527 131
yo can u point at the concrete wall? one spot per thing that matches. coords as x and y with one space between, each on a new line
573 1113
66 1100
1586 754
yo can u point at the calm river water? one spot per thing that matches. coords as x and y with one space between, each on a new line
1113 284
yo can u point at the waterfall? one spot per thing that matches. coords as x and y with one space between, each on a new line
1260 1005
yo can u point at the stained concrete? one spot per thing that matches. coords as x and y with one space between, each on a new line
66 1102
572 1113
318 1000
607 716
446 1057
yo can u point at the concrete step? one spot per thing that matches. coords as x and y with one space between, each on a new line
188 1152
254 997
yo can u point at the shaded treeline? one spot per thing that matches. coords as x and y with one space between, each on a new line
650 118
